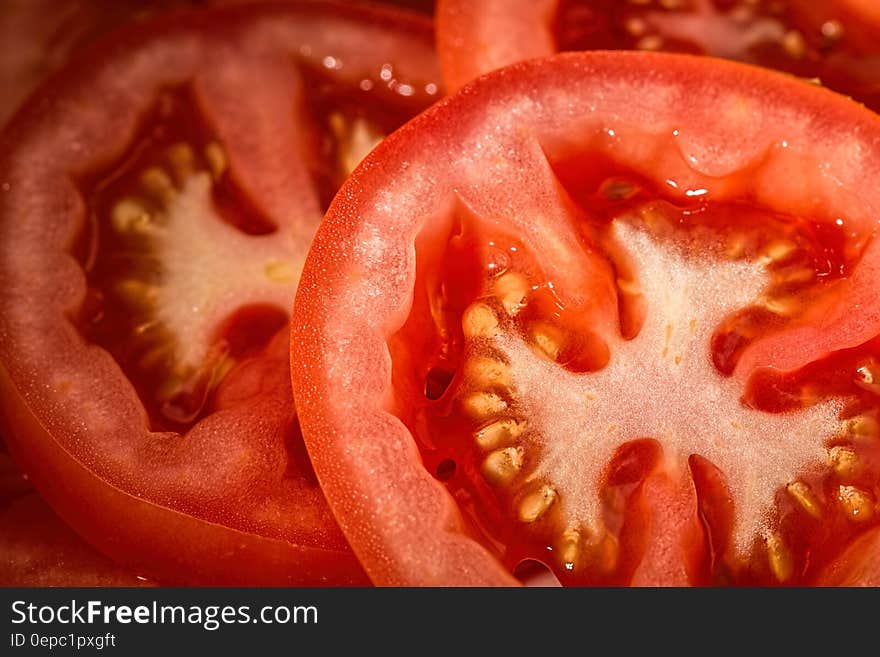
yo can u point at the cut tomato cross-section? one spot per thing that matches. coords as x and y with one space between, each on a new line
577 337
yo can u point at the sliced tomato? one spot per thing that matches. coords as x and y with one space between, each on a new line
534 326
157 198
832 42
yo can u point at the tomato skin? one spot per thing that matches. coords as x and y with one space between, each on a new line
227 503
364 456
176 542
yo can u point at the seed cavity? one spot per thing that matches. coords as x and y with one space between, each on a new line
534 505
170 267
502 465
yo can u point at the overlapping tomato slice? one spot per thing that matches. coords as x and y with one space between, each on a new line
157 198
625 327
831 42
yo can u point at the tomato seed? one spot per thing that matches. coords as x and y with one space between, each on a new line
779 558
485 372
535 504
483 405
857 504
479 321
801 493
216 159
512 289
844 462
498 433
502 465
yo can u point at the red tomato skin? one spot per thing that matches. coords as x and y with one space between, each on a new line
414 536
178 543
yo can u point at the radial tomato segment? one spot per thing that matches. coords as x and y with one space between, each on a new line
562 428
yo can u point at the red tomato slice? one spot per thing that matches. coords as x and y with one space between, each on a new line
533 327
834 42
156 201
38 549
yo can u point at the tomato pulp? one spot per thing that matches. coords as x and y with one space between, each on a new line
157 197
611 313
834 43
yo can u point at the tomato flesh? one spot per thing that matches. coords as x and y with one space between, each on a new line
149 397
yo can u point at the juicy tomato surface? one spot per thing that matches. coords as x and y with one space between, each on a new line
157 197
610 314
38 549
836 42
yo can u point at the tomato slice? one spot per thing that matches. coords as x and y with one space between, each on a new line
832 42
157 198
533 327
